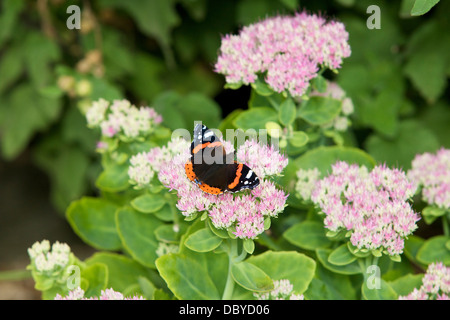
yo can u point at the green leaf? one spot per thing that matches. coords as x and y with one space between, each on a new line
431 213
255 118
93 220
165 233
423 6
194 276
122 271
412 139
147 287
308 235
11 66
323 157
137 232
251 277
155 18
437 119
114 178
166 213
385 292
20 122
431 81
39 52
328 285
351 268
262 88
406 284
146 77
298 139
412 247
341 256
249 246
430 44
221 233
250 11
203 240
180 111
434 249
294 266
287 112
357 252
319 110
10 15
97 278
148 203
319 83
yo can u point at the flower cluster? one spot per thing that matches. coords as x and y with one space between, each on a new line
108 294
432 173
283 290
46 260
371 207
264 159
306 181
289 49
144 165
242 213
121 118
435 284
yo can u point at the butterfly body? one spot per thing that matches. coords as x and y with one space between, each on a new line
212 169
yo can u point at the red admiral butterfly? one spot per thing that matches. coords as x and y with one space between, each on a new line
213 170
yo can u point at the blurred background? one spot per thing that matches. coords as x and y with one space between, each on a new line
162 53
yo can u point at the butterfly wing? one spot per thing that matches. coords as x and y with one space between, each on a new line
212 169
241 177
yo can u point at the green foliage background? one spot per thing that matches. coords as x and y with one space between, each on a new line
162 54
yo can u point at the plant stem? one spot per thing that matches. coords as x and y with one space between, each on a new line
15 275
229 286
445 225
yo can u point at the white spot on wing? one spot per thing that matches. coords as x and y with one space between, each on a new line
208 134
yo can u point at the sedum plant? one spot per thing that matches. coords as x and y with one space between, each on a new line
326 221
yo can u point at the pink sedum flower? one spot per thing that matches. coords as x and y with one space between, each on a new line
290 49
144 165
432 173
372 207
435 284
121 119
263 159
243 213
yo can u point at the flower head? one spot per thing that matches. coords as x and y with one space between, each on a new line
432 173
306 181
435 284
289 49
121 118
49 260
108 294
265 160
243 213
372 207
283 290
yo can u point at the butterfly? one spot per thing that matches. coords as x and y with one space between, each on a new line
214 171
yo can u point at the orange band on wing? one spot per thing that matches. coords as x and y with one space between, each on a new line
207 144
209 189
238 176
189 171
